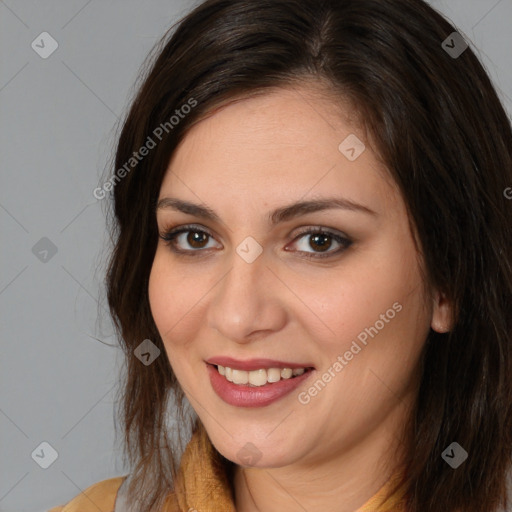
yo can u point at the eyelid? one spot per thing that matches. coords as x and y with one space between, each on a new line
174 232
339 237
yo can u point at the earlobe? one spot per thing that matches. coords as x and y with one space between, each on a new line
442 314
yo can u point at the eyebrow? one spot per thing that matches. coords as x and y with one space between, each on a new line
278 215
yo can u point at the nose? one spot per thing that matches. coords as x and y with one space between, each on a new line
248 302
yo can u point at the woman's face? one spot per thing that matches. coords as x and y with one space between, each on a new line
257 290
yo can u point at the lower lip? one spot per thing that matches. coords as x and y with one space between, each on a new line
252 396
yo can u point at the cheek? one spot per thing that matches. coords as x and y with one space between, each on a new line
161 292
357 293
381 327
169 300
376 310
168 305
177 301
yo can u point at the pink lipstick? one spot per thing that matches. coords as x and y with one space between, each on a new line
257 382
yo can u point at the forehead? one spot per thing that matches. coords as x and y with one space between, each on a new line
284 144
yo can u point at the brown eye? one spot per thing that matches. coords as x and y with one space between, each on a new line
196 239
187 239
320 241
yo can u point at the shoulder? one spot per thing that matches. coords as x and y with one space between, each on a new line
100 496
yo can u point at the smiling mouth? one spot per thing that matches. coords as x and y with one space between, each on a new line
260 377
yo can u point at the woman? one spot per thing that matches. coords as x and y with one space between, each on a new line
313 247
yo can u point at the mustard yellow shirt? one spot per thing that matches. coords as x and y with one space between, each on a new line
207 488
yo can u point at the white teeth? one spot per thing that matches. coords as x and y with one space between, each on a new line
258 377
273 374
286 373
241 377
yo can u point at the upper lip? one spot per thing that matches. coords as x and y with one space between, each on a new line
254 364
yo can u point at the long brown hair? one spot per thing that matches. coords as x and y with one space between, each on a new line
438 125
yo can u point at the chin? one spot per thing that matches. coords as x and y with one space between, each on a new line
258 451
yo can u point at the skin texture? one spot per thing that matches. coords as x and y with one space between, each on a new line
246 159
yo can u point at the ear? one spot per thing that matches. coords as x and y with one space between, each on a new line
442 313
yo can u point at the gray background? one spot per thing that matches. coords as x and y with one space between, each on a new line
58 119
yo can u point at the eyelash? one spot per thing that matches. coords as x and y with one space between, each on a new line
170 235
